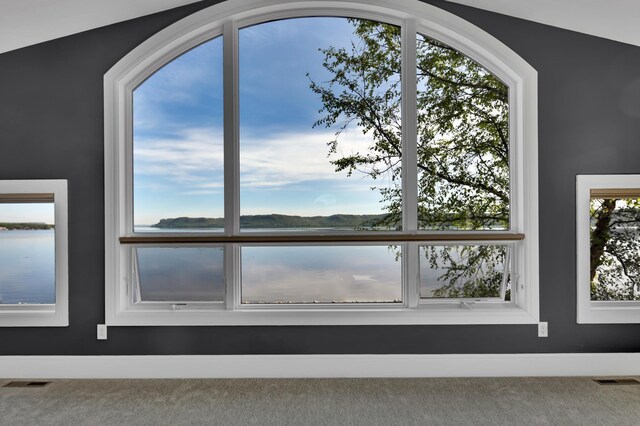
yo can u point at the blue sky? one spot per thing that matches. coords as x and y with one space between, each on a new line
284 165
27 212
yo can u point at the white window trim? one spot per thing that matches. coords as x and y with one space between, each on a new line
593 312
226 18
45 315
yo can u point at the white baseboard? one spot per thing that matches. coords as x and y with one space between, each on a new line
310 366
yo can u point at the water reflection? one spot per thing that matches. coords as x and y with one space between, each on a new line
324 274
464 271
181 274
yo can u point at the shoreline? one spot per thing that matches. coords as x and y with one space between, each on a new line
25 227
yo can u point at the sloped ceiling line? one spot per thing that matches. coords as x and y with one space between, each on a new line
27 22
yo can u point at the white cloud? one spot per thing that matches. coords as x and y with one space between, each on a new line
191 163
192 157
288 158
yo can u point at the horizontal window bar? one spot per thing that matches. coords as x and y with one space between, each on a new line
615 193
26 198
310 238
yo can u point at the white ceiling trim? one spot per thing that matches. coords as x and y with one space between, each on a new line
27 22
613 19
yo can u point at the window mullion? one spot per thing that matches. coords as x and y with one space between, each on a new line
231 161
411 269
409 128
410 159
231 129
232 275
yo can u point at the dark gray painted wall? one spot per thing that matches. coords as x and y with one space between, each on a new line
51 126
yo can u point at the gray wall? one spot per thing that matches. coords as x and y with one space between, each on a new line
51 126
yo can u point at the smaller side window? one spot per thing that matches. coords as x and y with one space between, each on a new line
608 230
33 253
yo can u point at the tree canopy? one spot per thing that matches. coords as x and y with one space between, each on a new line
462 151
615 248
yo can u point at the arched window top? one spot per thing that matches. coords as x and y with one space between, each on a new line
413 16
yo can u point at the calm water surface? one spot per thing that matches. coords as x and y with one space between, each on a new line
321 274
27 266
269 274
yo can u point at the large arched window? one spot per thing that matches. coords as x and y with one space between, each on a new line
321 163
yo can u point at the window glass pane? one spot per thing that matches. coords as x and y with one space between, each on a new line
615 248
178 143
27 253
324 274
465 271
320 124
463 142
187 274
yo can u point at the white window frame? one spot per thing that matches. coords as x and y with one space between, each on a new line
413 16
43 315
593 312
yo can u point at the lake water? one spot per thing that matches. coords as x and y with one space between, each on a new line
325 274
300 274
274 274
186 274
27 267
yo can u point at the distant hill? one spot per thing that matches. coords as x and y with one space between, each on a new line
10 226
277 221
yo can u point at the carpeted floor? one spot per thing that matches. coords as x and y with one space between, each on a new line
479 401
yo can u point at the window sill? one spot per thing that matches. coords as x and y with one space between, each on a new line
387 316
609 313
32 316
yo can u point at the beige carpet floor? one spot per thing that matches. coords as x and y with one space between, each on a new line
478 401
